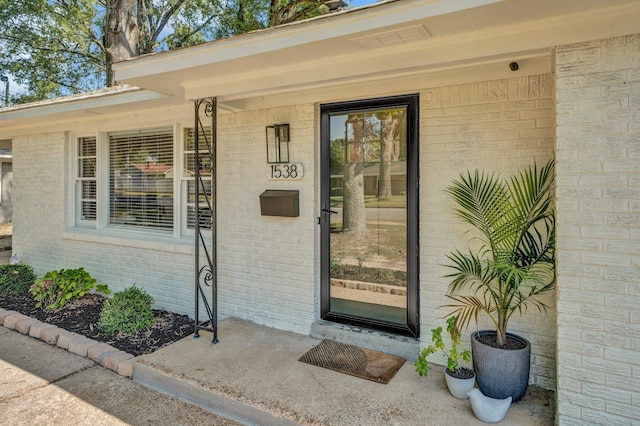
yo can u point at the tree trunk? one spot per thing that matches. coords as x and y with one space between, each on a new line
501 329
121 35
353 215
388 141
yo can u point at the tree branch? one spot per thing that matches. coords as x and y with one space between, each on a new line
162 22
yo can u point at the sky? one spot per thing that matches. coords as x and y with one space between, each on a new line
356 3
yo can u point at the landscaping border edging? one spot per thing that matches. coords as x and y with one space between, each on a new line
102 353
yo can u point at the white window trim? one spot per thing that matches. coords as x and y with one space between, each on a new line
101 229
178 143
74 202
184 191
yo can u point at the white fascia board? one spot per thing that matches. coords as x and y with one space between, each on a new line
259 42
90 105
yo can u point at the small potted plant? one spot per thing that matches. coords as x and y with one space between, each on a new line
460 380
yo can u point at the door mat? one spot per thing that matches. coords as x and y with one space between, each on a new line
355 361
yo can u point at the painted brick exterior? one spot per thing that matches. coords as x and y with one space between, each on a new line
39 231
266 269
268 266
598 188
498 126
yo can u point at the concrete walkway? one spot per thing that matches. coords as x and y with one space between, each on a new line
41 384
252 376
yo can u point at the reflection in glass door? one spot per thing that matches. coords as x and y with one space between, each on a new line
369 207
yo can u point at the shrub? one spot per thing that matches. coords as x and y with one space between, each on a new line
128 311
16 278
57 288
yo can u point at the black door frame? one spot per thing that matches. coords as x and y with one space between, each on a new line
411 103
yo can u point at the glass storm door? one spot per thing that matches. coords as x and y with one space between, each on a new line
369 206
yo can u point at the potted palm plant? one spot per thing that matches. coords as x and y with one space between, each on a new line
513 265
460 380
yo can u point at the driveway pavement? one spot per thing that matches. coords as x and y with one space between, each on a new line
41 384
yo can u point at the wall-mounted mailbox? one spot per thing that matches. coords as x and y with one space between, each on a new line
280 203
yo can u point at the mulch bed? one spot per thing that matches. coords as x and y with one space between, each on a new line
370 275
81 316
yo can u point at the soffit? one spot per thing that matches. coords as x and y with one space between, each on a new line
396 38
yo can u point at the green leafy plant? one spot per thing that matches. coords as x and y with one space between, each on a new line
336 266
515 263
16 278
57 288
454 356
129 310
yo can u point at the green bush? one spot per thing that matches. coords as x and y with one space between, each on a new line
16 278
129 310
57 288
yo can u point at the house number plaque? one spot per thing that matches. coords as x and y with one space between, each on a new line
285 171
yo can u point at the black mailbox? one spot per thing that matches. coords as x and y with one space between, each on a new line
279 203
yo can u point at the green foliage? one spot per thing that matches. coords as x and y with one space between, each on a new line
129 310
57 288
337 157
51 46
336 266
515 263
285 11
453 355
16 278
57 47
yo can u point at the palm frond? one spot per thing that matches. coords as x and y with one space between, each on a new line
470 271
465 309
516 223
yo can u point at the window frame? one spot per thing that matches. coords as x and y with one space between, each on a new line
77 182
184 182
101 225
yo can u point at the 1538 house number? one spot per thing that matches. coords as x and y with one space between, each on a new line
286 171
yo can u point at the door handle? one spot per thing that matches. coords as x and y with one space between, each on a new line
328 211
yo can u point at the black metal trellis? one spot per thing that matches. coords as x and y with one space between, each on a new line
206 274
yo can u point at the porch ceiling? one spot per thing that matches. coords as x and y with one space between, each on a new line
386 40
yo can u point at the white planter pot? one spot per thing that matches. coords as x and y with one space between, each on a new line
459 387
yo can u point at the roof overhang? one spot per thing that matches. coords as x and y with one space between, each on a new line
120 99
393 39
392 46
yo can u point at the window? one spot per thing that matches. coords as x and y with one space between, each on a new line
129 180
141 179
86 180
189 180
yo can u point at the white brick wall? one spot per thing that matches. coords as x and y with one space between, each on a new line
267 268
598 188
39 239
268 271
499 126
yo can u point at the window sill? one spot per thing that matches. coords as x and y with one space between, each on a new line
125 238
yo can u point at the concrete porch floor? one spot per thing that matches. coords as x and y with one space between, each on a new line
253 376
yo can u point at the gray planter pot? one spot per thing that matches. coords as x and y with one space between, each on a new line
501 373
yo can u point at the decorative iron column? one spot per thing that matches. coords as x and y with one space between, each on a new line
205 274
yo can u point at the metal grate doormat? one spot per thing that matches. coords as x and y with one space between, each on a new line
355 361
